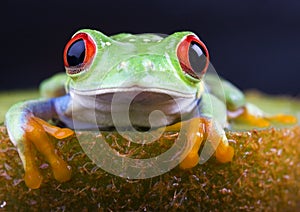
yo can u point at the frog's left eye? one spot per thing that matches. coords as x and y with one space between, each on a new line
193 56
79 53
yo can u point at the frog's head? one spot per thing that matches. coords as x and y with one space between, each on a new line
98 64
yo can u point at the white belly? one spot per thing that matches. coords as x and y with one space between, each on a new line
128 109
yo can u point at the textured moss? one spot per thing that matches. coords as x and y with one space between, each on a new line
264 175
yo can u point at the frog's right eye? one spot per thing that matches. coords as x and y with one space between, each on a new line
193 57
79 53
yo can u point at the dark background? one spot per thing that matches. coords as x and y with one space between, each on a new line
254 44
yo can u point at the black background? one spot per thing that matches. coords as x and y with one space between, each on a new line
254 44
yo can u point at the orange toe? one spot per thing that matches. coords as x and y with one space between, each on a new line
33 179
225 154
61 170
190 161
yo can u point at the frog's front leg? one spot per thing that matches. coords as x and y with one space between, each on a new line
202 129
27 130
209 128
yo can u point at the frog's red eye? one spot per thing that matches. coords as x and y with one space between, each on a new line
79 52
193 56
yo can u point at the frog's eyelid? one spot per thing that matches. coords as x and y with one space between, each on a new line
85 53
184 51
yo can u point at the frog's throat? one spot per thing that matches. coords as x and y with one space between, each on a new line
97 109
136 89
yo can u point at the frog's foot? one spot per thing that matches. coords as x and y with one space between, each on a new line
251 115
243 115
36 135
224 152
195 136
282 119
217 138
200 129
172 128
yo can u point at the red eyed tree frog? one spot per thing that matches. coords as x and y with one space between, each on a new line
161 68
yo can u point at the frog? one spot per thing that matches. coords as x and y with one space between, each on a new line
164 71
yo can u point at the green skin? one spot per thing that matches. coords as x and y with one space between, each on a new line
127 64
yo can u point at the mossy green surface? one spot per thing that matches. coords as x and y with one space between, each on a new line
8 98
263 176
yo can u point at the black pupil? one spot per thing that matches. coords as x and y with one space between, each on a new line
197 58
76 53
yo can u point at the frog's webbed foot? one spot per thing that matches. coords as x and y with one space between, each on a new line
36 135
251 115
202 129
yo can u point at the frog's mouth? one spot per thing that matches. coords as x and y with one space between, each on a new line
138 103
133 89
